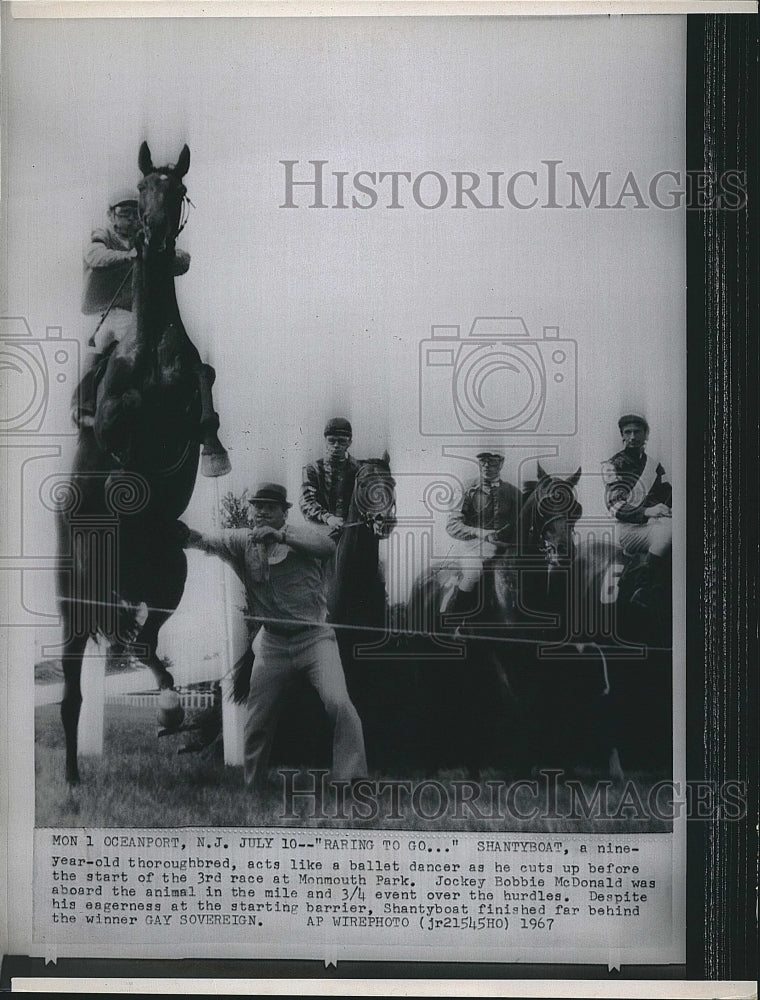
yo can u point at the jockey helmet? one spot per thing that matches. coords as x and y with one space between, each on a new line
633 418
123 196
338 427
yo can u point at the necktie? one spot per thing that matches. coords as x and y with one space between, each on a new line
494 488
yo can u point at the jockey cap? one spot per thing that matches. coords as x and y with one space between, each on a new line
338 427
633 418
123 196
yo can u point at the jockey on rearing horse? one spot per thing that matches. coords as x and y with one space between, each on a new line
108 260
486 522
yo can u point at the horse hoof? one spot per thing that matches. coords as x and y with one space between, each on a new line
215 464
616 768
170 712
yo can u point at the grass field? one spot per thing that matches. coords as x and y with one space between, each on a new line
140 781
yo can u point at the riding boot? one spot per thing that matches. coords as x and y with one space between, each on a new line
464 604
131 618
648 577
83 404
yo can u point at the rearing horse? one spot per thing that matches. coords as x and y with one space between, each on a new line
122 569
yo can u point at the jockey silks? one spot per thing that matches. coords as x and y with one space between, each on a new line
633 482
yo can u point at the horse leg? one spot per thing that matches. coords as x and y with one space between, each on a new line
71 703
114 422
214 460
608 710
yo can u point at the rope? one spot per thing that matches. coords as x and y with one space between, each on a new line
511 640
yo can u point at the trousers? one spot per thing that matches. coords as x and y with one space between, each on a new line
468 555
312 651
114 327
656 536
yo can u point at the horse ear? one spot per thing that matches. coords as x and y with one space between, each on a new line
183 163
542 474
573 480
145 161
387 458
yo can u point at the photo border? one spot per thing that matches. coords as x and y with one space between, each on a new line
723 458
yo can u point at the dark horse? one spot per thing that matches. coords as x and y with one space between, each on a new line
122 568
501 682
547 630
356 594
520 582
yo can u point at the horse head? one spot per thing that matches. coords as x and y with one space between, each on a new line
549 514
374 498
161 199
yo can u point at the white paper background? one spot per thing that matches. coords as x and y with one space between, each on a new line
308 312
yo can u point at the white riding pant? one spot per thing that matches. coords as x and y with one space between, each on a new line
469 557
113 329
655 537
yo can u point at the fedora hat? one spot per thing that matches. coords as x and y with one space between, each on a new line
272 493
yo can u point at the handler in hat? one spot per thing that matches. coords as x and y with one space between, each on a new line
486 521
281 567
329 482
639 497
108 259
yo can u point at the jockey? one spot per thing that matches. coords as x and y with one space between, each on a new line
639 496
108 259
329 482
487 517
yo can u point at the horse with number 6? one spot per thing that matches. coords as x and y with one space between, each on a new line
555 617
121 566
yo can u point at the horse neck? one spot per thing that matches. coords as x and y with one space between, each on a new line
526 540
358 545
154 299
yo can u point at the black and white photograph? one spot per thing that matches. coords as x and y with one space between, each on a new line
345 443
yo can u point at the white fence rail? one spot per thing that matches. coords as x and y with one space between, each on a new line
188 699
123 689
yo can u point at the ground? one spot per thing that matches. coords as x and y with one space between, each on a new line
140 781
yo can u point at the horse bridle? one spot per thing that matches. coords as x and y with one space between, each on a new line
184 211
537 531
371 518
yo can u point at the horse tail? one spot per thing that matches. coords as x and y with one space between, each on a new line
241 677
